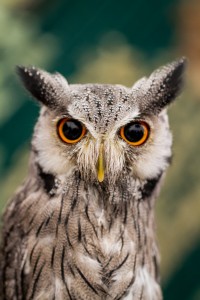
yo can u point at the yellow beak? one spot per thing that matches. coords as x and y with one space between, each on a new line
100 164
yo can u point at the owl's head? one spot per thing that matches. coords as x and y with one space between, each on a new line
104 131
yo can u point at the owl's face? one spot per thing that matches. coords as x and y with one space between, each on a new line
104 131
90 130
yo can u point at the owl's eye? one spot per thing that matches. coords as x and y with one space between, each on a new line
70 131
135 133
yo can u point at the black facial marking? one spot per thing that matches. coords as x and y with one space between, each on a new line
48 181
149 186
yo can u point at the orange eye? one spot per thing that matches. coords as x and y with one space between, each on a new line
135 133
70 131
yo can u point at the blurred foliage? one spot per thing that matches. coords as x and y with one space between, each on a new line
103 62
77 41
20 44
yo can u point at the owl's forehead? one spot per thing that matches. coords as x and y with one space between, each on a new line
100 104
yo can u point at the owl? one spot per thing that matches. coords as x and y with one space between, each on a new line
81 226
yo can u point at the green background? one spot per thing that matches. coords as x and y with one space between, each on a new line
114 42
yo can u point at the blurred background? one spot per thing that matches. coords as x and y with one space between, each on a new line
112 42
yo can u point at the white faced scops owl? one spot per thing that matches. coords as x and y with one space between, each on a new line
82 224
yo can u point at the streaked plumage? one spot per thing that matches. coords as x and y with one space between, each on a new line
68 235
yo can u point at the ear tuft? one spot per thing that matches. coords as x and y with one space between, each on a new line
162 87
167 83
45 87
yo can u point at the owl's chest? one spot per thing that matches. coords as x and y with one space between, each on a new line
85 252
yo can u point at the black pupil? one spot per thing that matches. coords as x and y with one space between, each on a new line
72 129
134 132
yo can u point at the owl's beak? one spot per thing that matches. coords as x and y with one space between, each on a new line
100 164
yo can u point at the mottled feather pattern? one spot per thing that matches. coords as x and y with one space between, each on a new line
64 235
68 235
